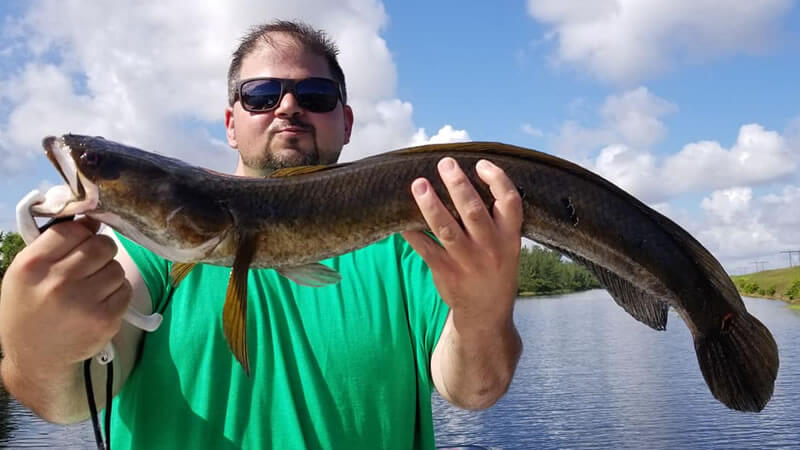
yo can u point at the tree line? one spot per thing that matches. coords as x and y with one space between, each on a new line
10 244
752 288
543 271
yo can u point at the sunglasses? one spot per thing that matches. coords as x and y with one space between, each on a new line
318 95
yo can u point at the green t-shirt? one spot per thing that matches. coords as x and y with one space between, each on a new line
344 366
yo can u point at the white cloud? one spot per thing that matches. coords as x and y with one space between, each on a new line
729 205
531 130
153 74
621 148
632 118
741 226
382 126
636 116
632 170
445 135
758 156
627 40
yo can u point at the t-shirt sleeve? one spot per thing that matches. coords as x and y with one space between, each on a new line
153 268
426 309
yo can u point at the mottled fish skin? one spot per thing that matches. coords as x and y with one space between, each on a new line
301 216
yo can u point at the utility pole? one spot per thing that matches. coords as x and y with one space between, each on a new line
790 252
759 265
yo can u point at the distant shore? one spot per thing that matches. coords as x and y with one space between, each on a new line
793 303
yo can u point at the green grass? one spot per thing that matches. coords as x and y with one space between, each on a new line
781 279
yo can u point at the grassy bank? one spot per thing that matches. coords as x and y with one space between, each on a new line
775 284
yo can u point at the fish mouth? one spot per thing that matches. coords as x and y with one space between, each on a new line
78 196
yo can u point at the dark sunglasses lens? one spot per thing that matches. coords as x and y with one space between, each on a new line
317 95
261 95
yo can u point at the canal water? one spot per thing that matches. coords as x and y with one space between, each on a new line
590 377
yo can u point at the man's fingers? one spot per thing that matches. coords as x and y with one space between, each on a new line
468 203
438 218
104 282
61 238
507 211
87 258
428 249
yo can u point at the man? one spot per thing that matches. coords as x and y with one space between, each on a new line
350 365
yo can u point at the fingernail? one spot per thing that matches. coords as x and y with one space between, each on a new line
420 187
447 164
486 164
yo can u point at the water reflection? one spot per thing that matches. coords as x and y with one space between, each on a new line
6 426
593 377
20 428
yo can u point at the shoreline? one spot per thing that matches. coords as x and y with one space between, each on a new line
794 304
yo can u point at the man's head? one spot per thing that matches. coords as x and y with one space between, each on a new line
291 133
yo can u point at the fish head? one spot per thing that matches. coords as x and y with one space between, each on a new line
159 202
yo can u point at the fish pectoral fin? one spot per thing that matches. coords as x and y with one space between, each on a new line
314 274
234 313
642 306
179 272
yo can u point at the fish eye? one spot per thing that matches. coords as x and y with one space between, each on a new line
91 159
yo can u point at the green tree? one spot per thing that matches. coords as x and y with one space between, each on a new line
794 290
543 271
771 291
10 244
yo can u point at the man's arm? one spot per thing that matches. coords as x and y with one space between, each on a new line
475 270
62 299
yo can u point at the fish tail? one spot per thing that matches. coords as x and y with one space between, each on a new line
739 362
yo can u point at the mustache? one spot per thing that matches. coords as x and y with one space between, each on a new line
290 122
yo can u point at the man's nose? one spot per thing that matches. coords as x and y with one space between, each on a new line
288 106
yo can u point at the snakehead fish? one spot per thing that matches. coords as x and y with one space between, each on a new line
299 216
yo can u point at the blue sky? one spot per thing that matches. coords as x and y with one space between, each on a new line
692 106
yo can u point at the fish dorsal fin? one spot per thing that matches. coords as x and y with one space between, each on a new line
642 306
234 313
298 170
179 272
314 274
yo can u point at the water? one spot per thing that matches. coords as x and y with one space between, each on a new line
593 377
590 377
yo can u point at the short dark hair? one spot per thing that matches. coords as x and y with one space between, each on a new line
307 37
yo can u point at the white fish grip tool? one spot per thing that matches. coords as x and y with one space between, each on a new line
36 204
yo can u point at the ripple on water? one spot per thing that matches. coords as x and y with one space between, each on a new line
593 377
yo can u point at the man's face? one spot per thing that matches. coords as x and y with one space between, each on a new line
288 135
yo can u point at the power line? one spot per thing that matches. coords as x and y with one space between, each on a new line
790 253
759 265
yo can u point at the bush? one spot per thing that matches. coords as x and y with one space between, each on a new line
751 287
794 290
771 291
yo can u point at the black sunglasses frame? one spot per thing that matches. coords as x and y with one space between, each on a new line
287 85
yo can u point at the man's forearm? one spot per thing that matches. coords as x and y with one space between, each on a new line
476 359
56 396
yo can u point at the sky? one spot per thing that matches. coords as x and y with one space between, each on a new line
692 106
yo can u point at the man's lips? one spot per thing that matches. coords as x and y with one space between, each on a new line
293 130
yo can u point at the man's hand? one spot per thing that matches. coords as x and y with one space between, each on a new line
62 300
475 270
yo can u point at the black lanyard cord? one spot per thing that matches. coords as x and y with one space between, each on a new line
87 379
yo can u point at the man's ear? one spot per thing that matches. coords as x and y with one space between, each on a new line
348 122
230 131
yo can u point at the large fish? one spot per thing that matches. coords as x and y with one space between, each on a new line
302 215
